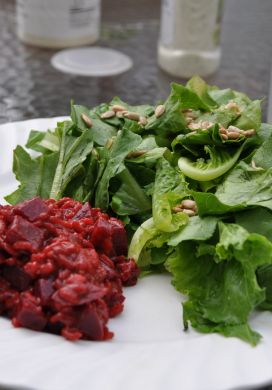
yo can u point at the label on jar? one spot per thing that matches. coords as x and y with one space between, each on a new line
58 21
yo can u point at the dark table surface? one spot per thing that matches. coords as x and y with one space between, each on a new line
31 88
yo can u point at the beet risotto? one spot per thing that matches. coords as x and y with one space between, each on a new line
62 267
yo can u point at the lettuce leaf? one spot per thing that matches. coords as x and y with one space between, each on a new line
124 143
222 289
169 189
220 161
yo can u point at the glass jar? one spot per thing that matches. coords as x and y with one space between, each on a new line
189 37
58 23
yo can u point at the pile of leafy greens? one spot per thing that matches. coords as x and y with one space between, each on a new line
220 258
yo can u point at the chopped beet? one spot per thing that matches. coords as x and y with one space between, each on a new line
32 209
119 237
22 230
17 277
78 291
44 290
62 267
84 212
90 324
29 313
101 236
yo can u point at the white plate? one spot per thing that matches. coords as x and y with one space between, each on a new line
149 350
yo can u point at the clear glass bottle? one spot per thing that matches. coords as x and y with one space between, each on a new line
58 23
189 37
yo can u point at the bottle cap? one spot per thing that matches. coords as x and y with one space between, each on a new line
91 61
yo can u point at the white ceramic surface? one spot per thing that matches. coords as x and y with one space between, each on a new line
149 350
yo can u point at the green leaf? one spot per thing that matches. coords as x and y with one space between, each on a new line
221 294
263 156
231 236
151 153
143 234
101 131
130 199
187 98
199 229
245 186
142 110
48 167
28 172
198 85
124 143
264 276
219 163
209 204
169 189
221 96
257 220
251 116
73 152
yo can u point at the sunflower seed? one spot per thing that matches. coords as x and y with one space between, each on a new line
142 121
189 212
224 136
177 209
233 135
189 114
109 143
222 130
194 126
107 114
134 116
87 120
188 204
118 108
249 133
253 164
188 120
159 110
120 114
136 153
235 129
233 106
203 125
206 124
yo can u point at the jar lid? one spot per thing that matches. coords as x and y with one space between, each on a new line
91 61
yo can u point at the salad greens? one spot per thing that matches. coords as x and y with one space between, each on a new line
192 183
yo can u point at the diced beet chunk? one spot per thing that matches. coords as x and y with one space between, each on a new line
17 277
22 230
119 237
129 271
44 290
2 226
32 209
90 324
84 212
78 291
101 237
101 231
108 266
29 314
